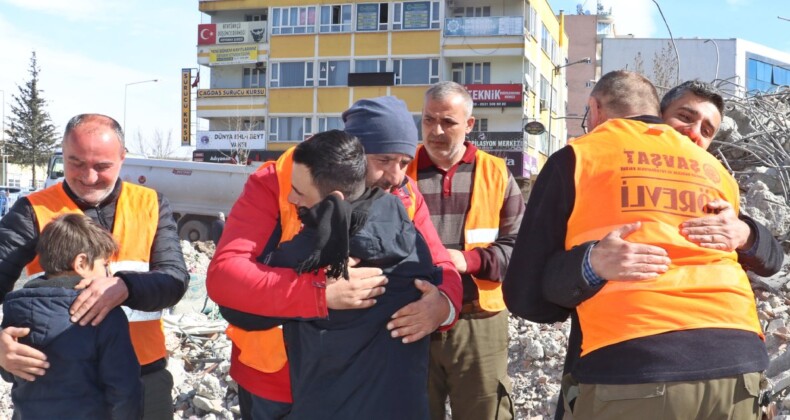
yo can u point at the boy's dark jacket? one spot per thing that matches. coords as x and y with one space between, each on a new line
93 373
347 365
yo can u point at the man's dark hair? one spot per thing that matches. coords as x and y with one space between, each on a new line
336 161
69 235
700 89
77 120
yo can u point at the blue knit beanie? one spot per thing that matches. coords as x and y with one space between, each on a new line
382 125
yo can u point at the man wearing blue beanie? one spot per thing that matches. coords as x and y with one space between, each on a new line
236 279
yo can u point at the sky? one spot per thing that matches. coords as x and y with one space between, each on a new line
751 20
89 50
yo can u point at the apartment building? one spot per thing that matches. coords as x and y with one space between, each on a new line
282 70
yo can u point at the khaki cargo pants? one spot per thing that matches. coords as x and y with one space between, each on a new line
730 398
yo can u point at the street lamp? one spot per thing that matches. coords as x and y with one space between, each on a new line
124 99
555 72
717 56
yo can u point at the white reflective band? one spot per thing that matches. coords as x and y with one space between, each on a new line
116 266
134 315
475 236
34 275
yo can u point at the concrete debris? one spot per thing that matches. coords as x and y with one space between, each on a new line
754 143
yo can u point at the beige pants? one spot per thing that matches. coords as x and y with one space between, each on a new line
731 398
469 364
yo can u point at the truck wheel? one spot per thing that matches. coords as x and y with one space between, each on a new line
193 230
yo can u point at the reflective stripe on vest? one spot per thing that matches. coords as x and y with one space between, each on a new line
136 221
628 171
482 220
265 350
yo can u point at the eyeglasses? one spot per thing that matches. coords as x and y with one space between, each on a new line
584 118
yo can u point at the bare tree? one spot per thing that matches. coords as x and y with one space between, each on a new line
159 146
240 149
665 65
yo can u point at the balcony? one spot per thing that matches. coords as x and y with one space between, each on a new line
493 36
484 26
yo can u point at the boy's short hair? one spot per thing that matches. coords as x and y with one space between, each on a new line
69 235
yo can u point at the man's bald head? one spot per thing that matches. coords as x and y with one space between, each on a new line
621 94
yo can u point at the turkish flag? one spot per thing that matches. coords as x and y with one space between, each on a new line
207 33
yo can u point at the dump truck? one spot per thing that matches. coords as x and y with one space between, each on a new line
197 191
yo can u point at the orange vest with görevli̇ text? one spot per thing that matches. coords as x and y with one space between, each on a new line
136 221
628 171
482 220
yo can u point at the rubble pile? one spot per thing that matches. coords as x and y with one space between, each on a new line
754 139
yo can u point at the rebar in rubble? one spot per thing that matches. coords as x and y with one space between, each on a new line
759 136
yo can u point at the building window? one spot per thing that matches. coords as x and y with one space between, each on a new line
333 73
290 128
544 93
254 78
543 144
554 101
415 15
532 22
253 125
529 76
479 11
13 182
330 123
296 74
372 16
335 18
471 73
257 18
420 71
293 20
545 39
370 66
481 124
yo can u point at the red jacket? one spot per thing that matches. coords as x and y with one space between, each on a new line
236 280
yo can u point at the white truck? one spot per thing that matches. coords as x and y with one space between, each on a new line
197 191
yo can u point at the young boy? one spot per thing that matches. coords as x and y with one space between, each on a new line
94 373
347 365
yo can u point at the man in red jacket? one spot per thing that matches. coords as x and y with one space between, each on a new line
236 280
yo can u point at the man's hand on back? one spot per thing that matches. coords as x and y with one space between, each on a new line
418 319
97 299
614 258
723 230
18 359
359 291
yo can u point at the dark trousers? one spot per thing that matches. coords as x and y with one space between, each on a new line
157 395
254 407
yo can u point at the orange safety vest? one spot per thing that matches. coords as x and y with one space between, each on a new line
482 220
265 350
136 221
628 171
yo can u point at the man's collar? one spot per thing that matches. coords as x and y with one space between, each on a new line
424 160
649 119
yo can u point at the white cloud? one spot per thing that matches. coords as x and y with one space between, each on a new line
637 17
73 10
74 83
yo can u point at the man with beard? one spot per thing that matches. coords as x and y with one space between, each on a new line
238 281
146 276
476 206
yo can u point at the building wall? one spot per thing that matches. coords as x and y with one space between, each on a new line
582 32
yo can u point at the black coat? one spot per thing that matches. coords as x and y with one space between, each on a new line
93 373
347 366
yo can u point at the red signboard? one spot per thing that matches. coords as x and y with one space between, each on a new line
496 95
207 34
